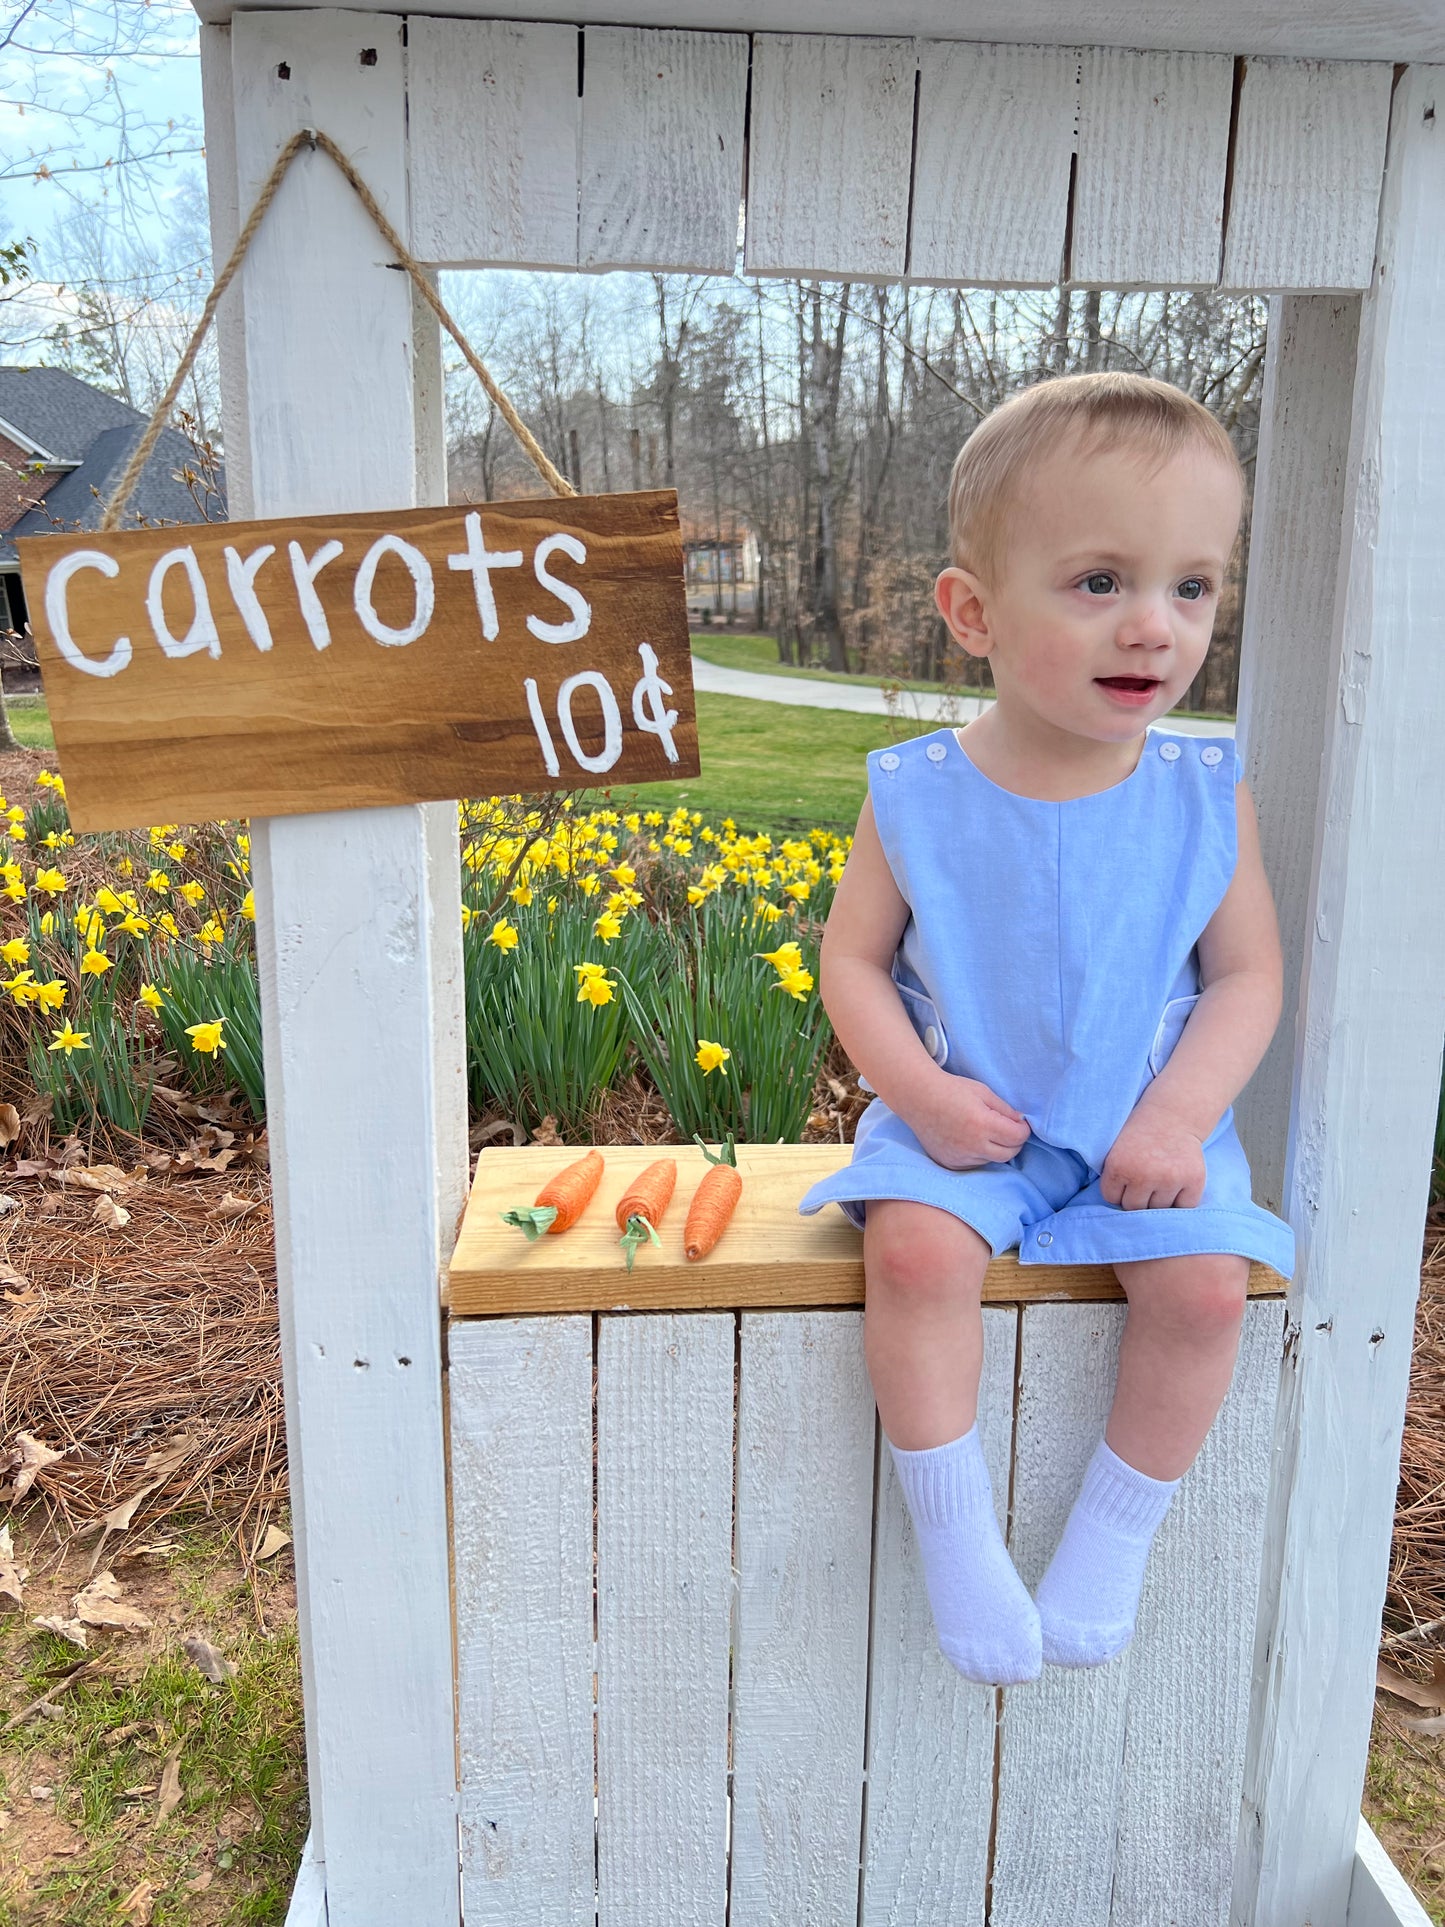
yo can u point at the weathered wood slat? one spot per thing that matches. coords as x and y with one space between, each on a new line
768 1257
800 1664
1153 147
830 151
1373 1011
662 148
362 1234
493 140
521 1468
1189 1674
664 1612
932 1733
1063 1735
991 172
1309 154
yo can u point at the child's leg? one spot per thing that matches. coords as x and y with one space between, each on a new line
1175 1363
923 1340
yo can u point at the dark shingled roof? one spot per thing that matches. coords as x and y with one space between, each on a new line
74 422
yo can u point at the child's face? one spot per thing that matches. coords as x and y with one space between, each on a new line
1110 571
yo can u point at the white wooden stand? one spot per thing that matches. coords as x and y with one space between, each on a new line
950 160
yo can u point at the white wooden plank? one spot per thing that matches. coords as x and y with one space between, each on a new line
678 102
225 223
830 149
1330 29
800 1661
664 1611
521 1464
357 941
1153 147
1373 1009
1288 661
308 1896
1379 1896
1189 1676
1063 1736
932 1733
991 174
1309 153
493 142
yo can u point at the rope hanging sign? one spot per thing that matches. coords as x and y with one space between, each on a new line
348 661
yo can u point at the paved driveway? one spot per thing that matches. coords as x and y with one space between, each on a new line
913 705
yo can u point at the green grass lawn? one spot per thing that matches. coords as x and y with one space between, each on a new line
30 721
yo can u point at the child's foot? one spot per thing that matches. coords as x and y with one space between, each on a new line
1089 1597
986 1623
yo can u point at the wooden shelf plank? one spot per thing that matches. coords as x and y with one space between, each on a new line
769 1256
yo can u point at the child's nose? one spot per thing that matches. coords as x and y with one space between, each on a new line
1147 623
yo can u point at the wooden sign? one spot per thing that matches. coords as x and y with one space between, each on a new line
342 661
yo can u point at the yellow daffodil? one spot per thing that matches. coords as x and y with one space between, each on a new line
769 912
68 1040
94 963
590 970
521 893
52 882
47 924
133 925
159 882
176 852
607 927
625 875
151 997
43 779
126 867
503 935
16 952
15 891
589 886
207 1037
165 921
15 814
192 892
712 1057
22 987
786 957
800 892
51 995
696 896
797 983
632 821
653 819
107 900
248 906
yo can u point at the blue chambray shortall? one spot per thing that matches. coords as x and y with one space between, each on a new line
1051 955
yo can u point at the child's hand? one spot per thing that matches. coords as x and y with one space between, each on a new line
963 1124
1156 1162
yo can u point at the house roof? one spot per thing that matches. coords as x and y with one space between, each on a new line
1319 29
77 423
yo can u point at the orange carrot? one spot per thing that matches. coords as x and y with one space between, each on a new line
713 1202
562 1199
640 1208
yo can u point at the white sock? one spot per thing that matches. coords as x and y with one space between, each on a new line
1089 1597
986 1623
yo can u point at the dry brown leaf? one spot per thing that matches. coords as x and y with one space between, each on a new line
118 1734
231 1206
198 1883
170 1797
10 1276
27 1458
8 1204
101 1605
107 1212
275 1541
1427 1693
9 1124
104 1177
139 1904
1434 1726
70 1629
547 1132
13 1576
209 1660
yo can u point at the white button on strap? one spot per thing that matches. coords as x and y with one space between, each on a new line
1211 756
930 1041
1170 752
890 760
936 752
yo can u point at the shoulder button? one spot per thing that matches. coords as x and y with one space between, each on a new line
936 752
889 760
1170 752
1211 756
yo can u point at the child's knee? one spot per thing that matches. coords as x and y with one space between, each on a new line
917 1252
1201 1296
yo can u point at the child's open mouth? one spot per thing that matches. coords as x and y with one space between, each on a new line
1129 689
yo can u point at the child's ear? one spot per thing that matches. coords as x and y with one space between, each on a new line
960 598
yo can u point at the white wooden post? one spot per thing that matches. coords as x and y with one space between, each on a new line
1371 1015
358 938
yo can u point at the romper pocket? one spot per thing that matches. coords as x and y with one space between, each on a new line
1171 1024
923 1015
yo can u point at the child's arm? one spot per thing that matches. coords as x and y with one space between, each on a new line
958 1121
1157 1159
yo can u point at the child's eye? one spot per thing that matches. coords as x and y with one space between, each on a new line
1194 588
1099 583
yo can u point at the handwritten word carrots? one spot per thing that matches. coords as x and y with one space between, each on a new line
640 1208
713 1202
562 1199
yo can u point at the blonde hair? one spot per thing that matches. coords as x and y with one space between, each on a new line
1101 412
